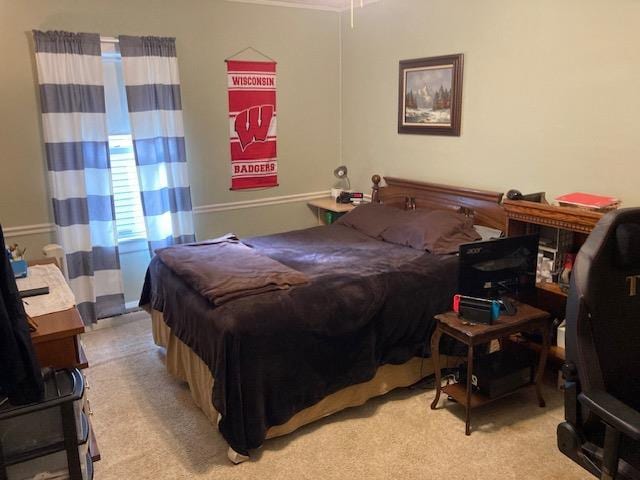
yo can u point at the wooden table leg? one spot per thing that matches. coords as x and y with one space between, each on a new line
544 353
435 355
469 385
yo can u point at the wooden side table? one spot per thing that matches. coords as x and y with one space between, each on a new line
328 209
527 319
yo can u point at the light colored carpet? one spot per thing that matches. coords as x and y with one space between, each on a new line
148 427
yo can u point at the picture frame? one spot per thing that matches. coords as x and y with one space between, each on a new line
430 95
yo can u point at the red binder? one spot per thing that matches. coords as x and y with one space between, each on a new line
587 200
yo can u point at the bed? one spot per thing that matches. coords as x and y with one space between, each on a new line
358 329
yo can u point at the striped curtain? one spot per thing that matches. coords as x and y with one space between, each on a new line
152 82
75 134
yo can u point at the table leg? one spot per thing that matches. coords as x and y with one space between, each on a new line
469 386
544 353
435 355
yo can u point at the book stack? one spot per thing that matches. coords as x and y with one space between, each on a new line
598 203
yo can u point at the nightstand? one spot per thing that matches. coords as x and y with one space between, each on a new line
328 210
527 319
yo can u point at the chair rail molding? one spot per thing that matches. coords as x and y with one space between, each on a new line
39 228
260 202
33 229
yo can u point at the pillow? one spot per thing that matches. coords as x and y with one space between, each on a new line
371 218
488 233
437 231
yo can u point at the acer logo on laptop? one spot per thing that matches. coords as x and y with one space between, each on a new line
473 251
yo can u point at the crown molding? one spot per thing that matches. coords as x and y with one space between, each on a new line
326 8
277 3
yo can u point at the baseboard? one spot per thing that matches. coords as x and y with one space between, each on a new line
117 320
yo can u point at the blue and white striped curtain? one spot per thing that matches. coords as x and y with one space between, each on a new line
152 82
75 135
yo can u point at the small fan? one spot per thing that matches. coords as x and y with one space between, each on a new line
341 173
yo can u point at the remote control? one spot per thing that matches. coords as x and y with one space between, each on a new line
34 292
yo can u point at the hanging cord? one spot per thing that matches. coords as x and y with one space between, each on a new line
250 48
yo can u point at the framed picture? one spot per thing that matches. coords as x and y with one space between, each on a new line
430 95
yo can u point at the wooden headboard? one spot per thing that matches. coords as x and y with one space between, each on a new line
408 194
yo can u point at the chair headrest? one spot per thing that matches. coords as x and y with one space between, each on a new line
628 245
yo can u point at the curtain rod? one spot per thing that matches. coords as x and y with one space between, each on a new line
109 40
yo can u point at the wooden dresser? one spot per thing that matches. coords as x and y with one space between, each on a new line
528 217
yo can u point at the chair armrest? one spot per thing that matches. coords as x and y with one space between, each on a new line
617 414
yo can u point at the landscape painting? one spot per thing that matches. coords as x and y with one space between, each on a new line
430 94
427 97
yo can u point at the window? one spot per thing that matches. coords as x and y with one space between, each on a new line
126 189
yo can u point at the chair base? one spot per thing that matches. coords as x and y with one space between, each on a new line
588 455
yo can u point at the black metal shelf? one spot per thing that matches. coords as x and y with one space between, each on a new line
47 449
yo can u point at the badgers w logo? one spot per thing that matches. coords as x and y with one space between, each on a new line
252 125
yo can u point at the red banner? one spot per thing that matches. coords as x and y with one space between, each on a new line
252 122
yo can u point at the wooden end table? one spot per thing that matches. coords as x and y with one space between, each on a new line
328 205
527 319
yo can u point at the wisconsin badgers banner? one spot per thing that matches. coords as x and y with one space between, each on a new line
252 121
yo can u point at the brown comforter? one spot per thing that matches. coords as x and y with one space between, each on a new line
368 303
223 268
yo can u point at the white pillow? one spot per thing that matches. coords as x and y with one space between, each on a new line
487 233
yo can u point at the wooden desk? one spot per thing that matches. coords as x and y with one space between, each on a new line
57 340
329 210
57 344
525 218
527 318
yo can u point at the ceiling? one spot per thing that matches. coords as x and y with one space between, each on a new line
332 5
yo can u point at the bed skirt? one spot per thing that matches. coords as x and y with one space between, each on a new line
183 363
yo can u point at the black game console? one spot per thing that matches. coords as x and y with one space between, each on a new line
501 372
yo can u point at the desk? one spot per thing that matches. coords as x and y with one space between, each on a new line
57 340
526 319
525 218
57 344
329 210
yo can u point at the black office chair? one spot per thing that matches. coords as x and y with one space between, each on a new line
602 370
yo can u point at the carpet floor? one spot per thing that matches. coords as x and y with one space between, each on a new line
148 427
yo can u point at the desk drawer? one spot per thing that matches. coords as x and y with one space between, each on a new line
58 353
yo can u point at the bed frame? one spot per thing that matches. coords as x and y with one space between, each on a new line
183 363
411 194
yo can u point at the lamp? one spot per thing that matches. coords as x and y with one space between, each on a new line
341 174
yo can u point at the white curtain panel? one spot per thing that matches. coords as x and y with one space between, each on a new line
152 83
75 135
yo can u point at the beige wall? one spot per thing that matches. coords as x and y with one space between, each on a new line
550 99
304 42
